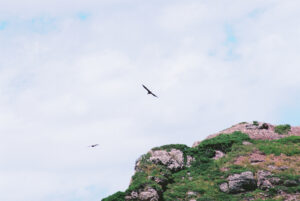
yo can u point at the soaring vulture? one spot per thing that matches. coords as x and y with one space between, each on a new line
94 145
149 92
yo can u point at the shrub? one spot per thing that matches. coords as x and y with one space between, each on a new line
224 142
181 147
282 129
255 123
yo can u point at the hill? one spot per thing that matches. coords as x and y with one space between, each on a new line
249 161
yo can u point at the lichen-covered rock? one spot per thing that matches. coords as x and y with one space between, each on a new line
148 194
159 180
247 143
191 193
173 159
256 158
168 172
264 126
133 196
251 126
275 180
224 187
218 155
189 160
137 164
290 183
263 181
241 182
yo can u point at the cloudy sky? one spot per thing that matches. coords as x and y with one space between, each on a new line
71 75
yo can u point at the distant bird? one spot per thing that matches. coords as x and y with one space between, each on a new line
149 92
94 145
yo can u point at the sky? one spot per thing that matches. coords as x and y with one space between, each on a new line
71 75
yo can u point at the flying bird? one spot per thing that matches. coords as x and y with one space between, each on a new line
149 92
94 145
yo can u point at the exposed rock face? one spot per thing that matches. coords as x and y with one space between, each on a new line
275 180
257 158
263 181
137 164
247 143
262 131
264 126
168 172
224 187
133 196
173 159
191 193
218 155
290 183
272 167
189 160
148 194
159 180
241 182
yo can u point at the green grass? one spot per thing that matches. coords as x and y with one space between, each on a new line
282 129
181 147
289 146
140 180
290 140
118 196
224 142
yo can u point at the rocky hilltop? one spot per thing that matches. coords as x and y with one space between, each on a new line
249 161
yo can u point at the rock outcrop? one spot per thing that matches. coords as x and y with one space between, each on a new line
173 159
218 154
264 180
258 131
148 194
229 166
238 183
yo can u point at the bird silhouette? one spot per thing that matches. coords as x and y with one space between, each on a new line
149 92
94 145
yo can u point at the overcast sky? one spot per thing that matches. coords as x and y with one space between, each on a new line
71 75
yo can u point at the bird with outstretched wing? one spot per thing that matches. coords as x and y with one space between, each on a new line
149 92
94 145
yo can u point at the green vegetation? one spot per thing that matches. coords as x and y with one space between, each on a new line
201 180
168 147
141 180
118 196
255 123
289 146
204 176
290 140
282 129
224 142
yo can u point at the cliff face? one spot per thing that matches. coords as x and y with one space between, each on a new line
249 161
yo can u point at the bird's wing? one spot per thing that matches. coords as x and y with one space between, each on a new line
154 95
146 88
93 145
